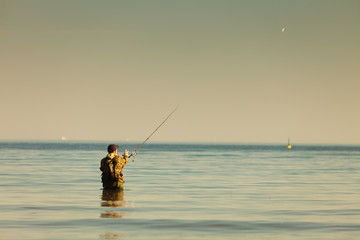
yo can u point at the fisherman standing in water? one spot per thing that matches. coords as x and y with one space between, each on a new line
112 168
112 165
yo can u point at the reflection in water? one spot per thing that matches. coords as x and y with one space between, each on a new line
111 236
114 199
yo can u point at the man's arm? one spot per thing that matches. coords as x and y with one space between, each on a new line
126 157
102 165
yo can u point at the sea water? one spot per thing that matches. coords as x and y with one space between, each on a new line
52 190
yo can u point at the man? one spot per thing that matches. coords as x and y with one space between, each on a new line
111 167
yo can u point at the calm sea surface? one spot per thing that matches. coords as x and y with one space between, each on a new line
181 191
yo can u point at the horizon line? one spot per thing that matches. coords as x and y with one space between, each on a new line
175 142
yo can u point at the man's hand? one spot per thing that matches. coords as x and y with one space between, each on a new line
126 153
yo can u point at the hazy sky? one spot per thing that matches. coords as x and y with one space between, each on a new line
111 70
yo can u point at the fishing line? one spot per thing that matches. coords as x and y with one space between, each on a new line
134 152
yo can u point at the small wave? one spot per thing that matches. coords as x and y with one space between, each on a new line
217 226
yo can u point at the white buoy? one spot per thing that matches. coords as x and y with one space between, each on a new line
289 145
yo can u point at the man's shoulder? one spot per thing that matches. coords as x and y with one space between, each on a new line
117 158
104 159
120 159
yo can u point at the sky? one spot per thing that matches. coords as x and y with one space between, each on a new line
240 71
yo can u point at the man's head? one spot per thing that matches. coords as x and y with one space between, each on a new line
112 148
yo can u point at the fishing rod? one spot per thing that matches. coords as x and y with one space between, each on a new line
134 152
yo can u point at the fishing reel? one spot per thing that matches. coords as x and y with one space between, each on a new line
133 155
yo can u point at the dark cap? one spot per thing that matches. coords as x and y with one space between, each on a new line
112 148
